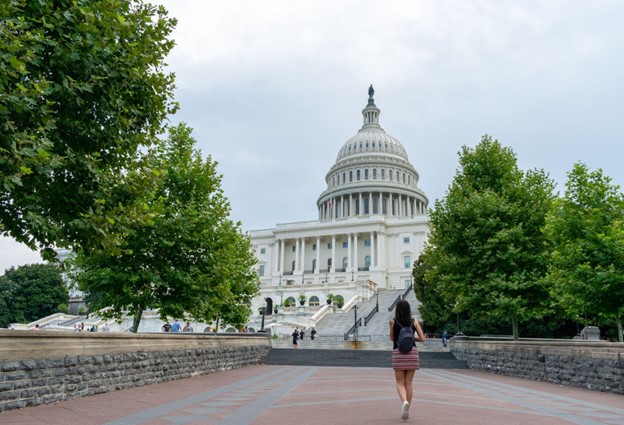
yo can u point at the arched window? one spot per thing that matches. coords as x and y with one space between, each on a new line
383 173
345 263
314 301
366 174
367 261
350 176
344 178
404 178
357 175
290 302
389 174
374 174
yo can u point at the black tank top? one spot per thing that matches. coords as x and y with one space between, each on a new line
396 329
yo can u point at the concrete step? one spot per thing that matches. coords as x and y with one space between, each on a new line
357 358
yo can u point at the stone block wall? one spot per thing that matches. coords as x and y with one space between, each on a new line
99 363
592 365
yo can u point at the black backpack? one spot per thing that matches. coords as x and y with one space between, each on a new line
405 341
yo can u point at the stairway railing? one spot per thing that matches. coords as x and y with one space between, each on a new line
399 298
353 328
371 314
407 291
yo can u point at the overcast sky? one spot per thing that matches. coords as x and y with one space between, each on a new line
273 89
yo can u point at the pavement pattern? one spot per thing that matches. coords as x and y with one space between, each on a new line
269 394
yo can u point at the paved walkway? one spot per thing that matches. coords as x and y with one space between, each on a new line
333 395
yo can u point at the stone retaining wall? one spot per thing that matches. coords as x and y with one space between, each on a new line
593 365
46 367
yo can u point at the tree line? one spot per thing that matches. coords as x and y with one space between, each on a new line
507 255
85 103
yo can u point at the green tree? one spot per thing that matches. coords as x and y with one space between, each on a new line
28 293
487 249
190 260
434 309
587 233
82 91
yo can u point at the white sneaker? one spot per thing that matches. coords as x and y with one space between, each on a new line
405 410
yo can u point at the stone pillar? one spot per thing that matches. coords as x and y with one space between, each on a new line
370 203
333 254
281 268
372 249
381 253
390 204
351 205
361 206
275 257
380 206
355 251
302 255
296 255
400 211
318 254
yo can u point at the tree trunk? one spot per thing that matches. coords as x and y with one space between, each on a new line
514 326
619 327
137 320
217 325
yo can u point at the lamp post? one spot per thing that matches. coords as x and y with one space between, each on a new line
326 278
377 303
263 313
355 331
302 276
352 273
280 281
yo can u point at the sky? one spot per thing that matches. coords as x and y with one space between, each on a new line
273 89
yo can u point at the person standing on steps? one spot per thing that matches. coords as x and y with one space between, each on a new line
405 364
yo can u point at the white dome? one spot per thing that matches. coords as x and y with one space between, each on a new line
372 140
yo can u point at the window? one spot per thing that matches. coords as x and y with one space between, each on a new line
344 178
367 261
329 263
374 173
261 271
314 247
366 174
314 301
357 175
367 242
334 181
345 244
345 263
389 174
407 261
350 176
403 177
383 173
262 250
406 239
329 245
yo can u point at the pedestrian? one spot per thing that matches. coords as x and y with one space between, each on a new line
404 363
176 326
37 328
105 328
444 338
295 336
166 327
187 327
313 334
301 334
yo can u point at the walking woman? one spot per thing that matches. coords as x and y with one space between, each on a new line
404 364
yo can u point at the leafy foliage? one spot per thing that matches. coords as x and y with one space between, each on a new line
486 253
28 293
587 232
189 260
82 89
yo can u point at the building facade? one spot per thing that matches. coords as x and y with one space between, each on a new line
372 225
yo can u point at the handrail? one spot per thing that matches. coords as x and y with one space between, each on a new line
398 298
407 291
352 329
370 315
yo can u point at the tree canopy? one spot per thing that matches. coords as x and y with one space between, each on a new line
587 232
82 90
189 260
487 250
30 292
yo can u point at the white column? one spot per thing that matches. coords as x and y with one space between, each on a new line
355 251
281 268
349 250
380 207
381 253
275 254
297 254
372 245
351 205
302 255
390 204
361 206
400 212
370 203
333 257
318 254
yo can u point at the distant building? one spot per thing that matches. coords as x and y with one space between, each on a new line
371 227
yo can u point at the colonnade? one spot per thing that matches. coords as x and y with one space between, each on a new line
362 250
368 203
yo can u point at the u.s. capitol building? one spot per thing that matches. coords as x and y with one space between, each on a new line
372 225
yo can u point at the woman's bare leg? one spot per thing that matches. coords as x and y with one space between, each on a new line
399 376
409 389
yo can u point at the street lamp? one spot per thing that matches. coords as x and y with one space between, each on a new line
355 332
280 281
263 313
377 295
302 276
352 273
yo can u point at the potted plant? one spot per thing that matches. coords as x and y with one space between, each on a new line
302 299
339 301
275 310
330 298
287 303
